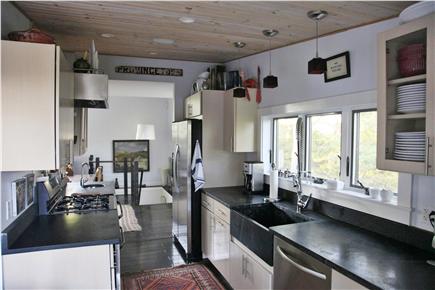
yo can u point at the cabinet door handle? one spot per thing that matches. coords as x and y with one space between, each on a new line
299 266
428 146
222 212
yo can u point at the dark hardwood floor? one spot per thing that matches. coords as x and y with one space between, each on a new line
151 248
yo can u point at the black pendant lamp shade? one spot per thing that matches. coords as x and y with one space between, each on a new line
317 65
270 81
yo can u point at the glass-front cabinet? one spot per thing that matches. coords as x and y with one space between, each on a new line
406 97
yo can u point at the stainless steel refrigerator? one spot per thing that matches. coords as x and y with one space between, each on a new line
186 203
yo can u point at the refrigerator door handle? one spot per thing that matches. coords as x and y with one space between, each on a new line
177 154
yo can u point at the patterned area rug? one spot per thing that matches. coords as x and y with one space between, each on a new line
185 277
129 221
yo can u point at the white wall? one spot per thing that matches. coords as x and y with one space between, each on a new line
290 64
12 19
183 84
295 85
119 123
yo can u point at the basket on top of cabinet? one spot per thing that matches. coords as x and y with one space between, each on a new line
406 93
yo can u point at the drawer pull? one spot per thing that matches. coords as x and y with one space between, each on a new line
299 266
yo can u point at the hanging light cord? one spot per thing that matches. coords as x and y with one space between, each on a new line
317 38
270 57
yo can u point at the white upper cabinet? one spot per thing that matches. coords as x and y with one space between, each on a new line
240 123
193 106
36 107
406 109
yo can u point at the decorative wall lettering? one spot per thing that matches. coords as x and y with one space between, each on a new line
146 70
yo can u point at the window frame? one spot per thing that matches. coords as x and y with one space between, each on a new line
353 162
354 198
307 139
274 134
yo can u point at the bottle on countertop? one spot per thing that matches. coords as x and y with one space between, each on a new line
69 169
116 183
91 164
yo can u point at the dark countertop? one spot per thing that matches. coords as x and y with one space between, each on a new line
233 196
375 261
368 258
74 187
68 230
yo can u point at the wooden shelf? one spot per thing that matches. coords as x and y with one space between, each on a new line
407 116
407 80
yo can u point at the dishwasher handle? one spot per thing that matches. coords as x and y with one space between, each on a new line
299 266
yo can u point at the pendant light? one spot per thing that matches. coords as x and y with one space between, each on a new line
270 81
239 92
317 65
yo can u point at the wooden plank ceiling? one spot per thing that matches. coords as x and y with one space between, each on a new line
210 38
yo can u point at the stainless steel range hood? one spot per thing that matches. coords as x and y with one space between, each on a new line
91 90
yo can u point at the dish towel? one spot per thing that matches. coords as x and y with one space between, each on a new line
197 168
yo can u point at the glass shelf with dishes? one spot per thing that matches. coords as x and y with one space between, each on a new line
405 113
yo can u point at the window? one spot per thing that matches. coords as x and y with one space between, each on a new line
324 145
364 154
285 143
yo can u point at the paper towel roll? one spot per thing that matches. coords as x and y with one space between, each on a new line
273 188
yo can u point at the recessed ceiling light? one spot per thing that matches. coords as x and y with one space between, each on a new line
153 53
186 19
239 44
164 41
270 32
107 35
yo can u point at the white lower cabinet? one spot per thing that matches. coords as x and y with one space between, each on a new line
341 282
221 246
215 234
71 268
246 272
206 232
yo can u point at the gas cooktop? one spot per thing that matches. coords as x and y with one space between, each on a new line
81 203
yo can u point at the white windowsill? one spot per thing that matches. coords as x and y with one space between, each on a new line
351 199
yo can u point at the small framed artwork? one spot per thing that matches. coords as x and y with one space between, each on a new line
133 150
337 67
30 188
18 196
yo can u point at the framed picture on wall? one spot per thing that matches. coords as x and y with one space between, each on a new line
133 150
337 67
18 196
30 188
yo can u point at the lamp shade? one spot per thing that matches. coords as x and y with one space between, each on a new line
145 132
317 66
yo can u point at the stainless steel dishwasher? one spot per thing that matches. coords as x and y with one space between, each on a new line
293 269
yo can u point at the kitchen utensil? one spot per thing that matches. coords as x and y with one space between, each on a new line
258 95
386 195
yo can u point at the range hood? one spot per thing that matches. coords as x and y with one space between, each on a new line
91 90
